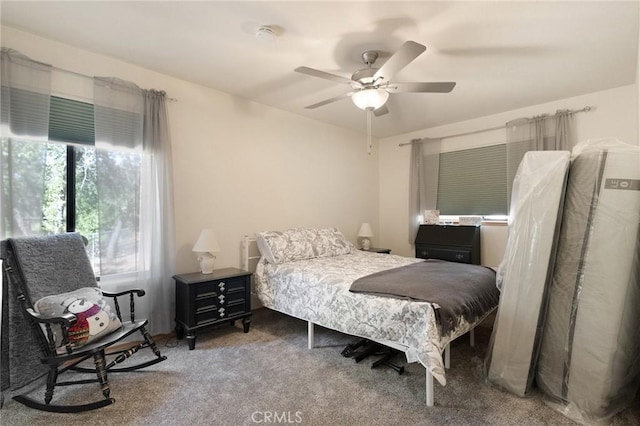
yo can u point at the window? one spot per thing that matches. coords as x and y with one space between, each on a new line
473 181
68 185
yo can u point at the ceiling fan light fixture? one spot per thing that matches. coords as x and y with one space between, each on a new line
370 98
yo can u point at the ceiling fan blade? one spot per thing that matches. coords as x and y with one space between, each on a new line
439 87
328 101
327 76
381 111
403 57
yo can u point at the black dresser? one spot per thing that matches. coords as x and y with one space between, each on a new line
455 243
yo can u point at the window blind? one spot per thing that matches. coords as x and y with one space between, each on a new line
32 114
23 112
473 181
118 128
71 121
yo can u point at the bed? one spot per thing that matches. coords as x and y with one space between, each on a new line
308 274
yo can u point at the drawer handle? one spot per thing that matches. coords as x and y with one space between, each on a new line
221 298
221 285
206 295
221 311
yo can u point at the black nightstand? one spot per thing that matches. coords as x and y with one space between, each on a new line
378 250
203 300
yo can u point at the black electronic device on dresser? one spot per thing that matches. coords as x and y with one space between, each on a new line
456 243
203 300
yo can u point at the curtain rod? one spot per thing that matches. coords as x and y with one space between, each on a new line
473 132
89 77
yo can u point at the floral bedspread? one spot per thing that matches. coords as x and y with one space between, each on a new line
317 290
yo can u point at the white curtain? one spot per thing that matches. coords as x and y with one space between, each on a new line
416 192
133 162
543 132
24 130
26 93
25 89
423 181
118 114
157 197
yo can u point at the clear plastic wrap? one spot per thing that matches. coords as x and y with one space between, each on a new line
525 270
589 359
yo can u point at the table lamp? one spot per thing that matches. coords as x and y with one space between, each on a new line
206 246
365 233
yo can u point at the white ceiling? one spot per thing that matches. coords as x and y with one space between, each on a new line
503 55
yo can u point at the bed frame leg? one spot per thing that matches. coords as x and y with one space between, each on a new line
472 337
429 380
447 356
310 335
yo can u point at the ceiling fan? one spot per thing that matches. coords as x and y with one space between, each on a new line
371 86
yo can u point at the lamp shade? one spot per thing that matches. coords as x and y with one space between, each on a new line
370 98
207 242
365 231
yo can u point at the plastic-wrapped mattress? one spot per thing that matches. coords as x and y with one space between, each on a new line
525 270
590 351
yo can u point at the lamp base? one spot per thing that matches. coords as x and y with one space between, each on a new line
366 244
207 262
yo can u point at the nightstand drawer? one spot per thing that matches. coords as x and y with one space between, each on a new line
210 315
234 284
235 294
211 287
205 303
235 308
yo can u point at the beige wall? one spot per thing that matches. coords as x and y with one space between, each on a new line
239 167
614 114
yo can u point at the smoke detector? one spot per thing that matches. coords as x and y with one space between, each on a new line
265 34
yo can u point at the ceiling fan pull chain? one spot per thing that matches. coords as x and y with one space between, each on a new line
369 112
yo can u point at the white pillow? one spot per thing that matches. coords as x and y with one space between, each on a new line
329 242
285 246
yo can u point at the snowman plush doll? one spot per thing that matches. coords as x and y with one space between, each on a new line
92 320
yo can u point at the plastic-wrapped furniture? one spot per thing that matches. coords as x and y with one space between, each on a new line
590 352
57 318
523 274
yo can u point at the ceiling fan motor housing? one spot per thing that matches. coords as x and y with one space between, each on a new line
369 57
364 76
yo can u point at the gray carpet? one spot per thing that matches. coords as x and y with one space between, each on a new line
269 376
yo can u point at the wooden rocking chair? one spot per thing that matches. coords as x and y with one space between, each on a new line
40 270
